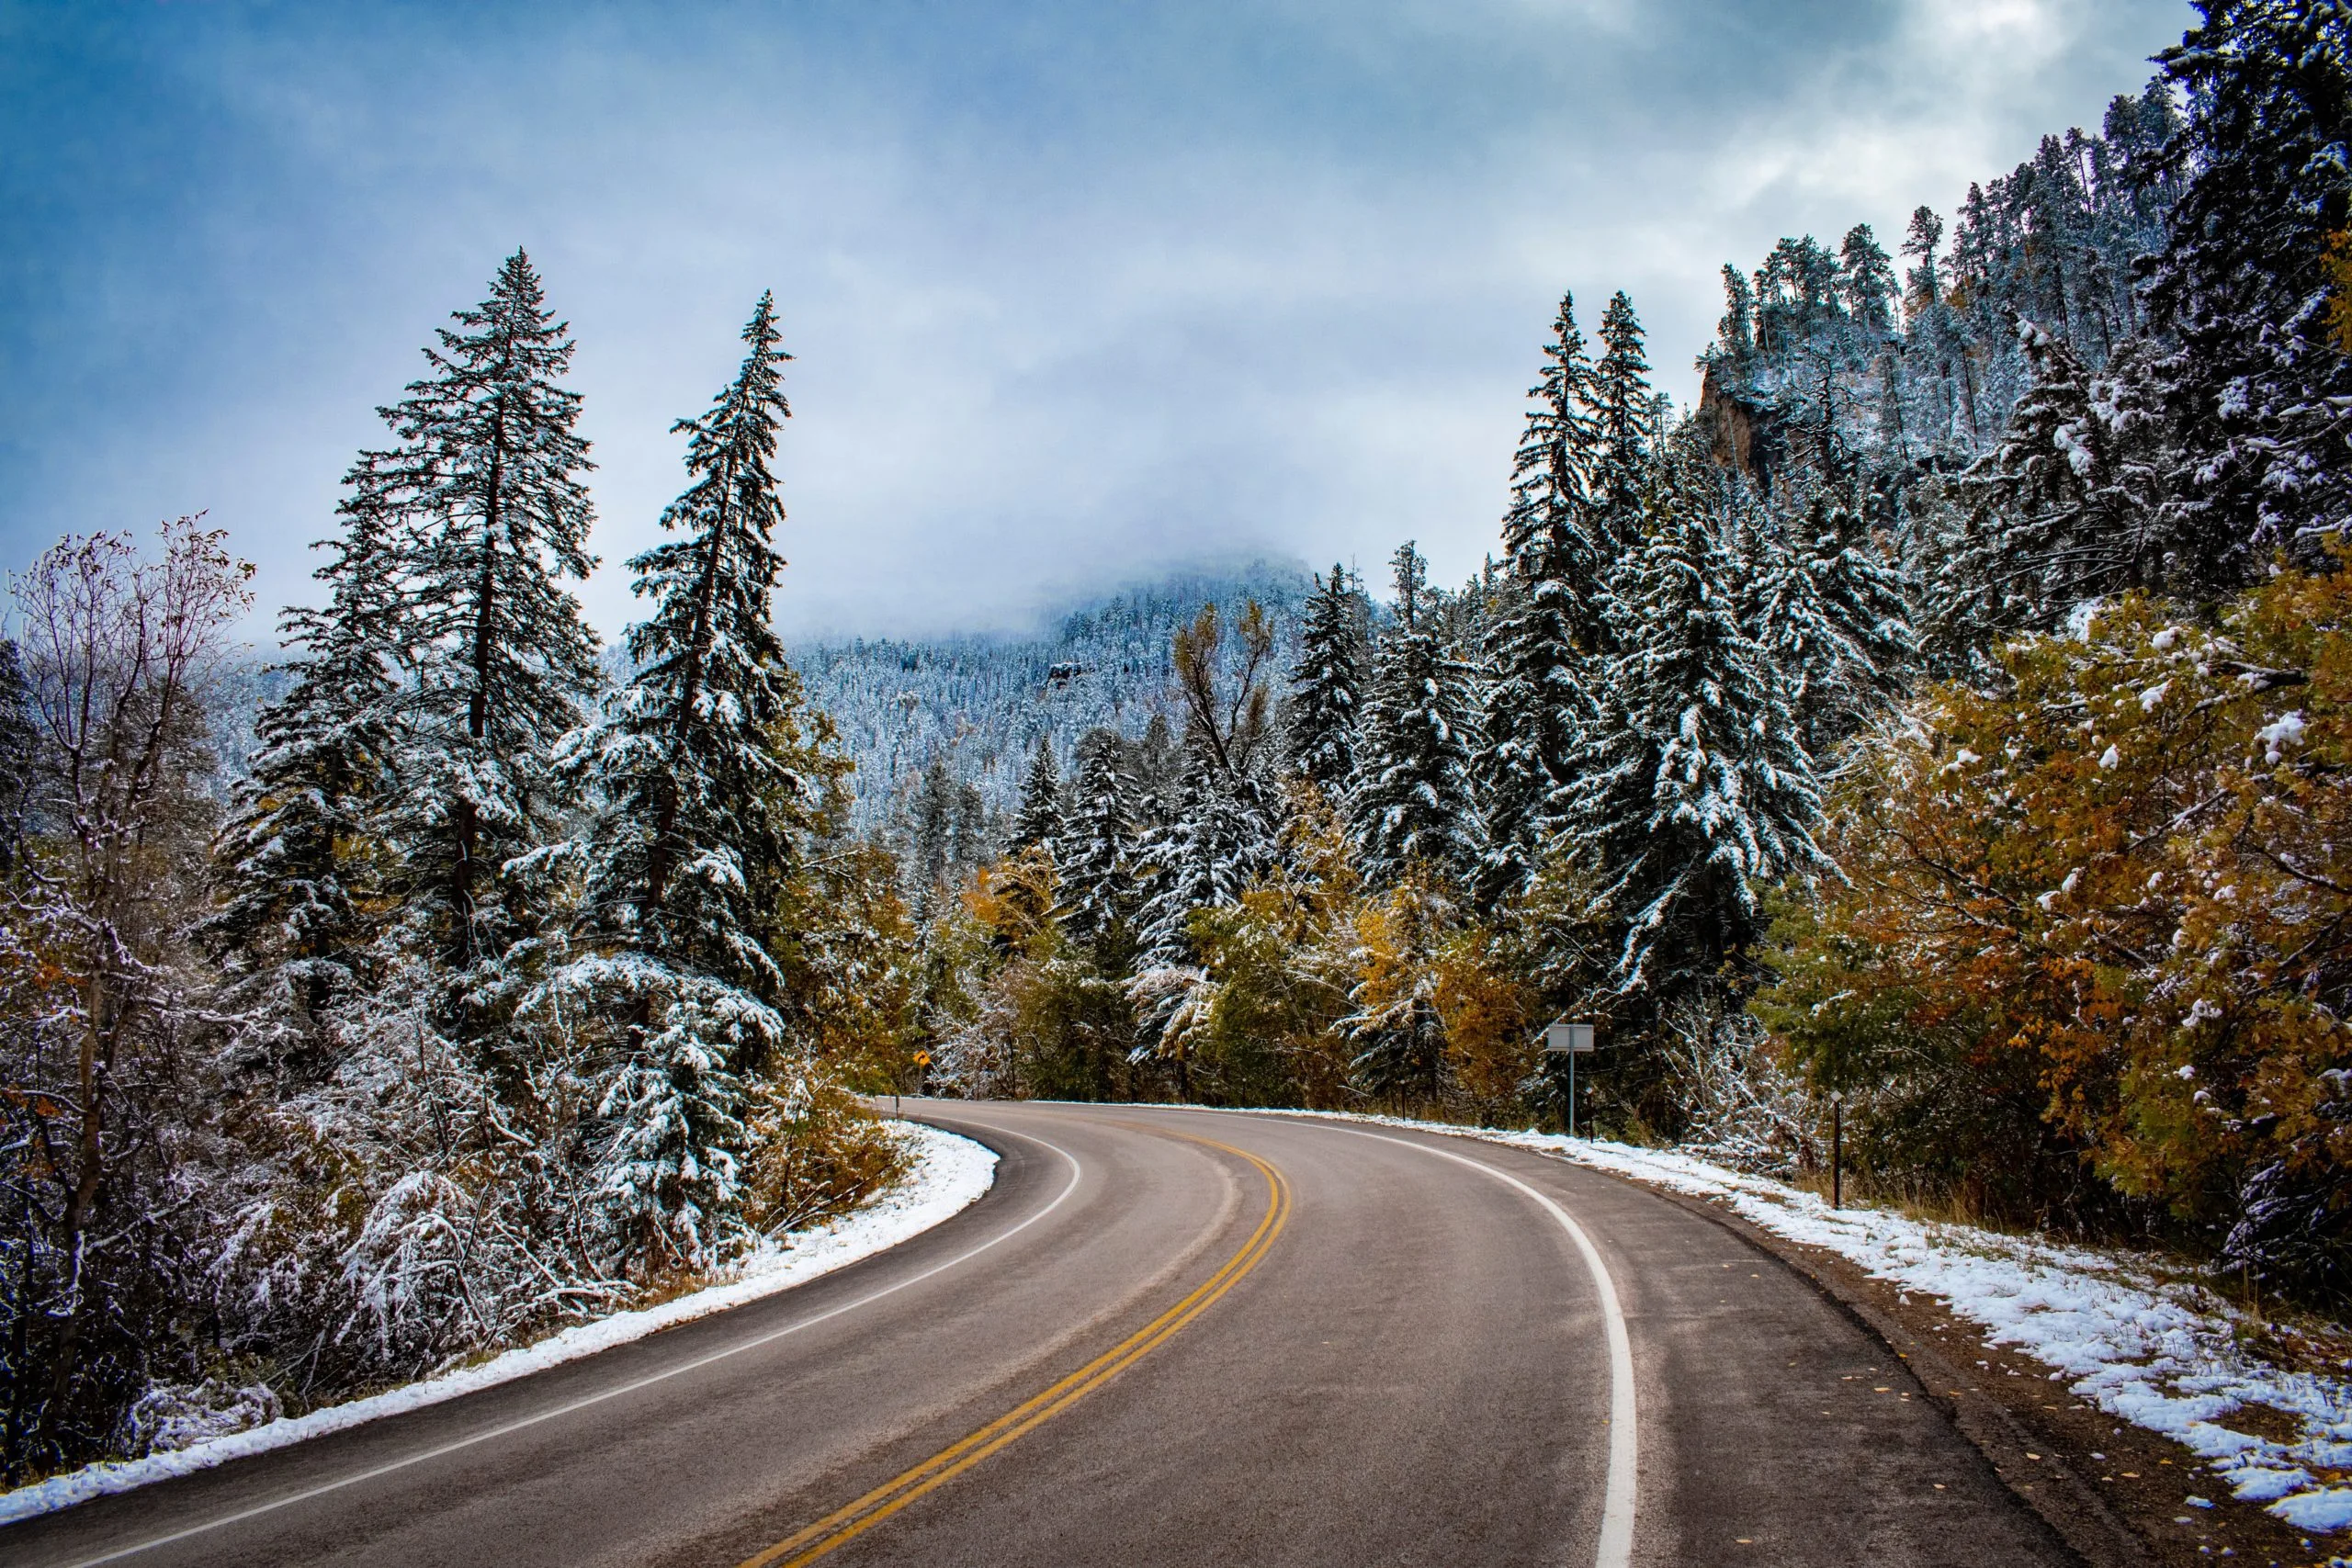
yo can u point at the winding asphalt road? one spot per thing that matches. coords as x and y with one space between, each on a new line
1171 1338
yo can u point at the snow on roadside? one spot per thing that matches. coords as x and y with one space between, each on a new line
2159 1353
951 1174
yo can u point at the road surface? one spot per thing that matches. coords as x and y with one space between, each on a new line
1165 1338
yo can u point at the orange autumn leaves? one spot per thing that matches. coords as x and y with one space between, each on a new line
2112 898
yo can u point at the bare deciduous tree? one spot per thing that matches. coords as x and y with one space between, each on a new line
116 647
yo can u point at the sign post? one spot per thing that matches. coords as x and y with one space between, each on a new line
1562 1038
922 1061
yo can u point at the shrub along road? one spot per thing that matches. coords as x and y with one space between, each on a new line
1173 1337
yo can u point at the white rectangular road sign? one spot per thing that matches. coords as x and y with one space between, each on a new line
1568 1037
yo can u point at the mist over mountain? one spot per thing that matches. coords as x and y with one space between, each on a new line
981 701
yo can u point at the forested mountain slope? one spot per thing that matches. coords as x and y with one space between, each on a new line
982 703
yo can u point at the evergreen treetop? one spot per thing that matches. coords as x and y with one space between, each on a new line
1038 823
297 865
491 513
1414 802
1622 421
1326 686
2260 396
695 756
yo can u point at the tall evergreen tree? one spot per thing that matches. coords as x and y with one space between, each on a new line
1326 686
1223 831
1829 612
697 761
487 485
2259 391
1038 823
2068 506
946 834
1096 852
1555 485
1414 803
1866 277
1621 396
1547 625
298 867
1691 788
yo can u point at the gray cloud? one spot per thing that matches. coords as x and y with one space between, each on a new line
1078 292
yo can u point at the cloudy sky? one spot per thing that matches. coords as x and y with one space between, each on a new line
1078 291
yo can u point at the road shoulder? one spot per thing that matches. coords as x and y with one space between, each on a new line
2113 1491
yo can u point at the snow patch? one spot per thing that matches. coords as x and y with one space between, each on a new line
951 1174
2281 732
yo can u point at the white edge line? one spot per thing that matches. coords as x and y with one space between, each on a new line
632 1386
1618 1496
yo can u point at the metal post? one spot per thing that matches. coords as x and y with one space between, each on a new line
1572 1094
1837 1152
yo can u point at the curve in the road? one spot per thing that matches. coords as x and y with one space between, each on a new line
1436 1366
846 1524
1620 1491
508 1428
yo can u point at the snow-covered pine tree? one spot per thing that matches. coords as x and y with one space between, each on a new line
697 763
487 484
2067 506
1866 278
1536 648
1413 803
2259 391
1826 608
1692 787
1621 393
1038 823
946 832
1554 515
1326 686
1224 832
297 868
1096 852
1223 835
1865 596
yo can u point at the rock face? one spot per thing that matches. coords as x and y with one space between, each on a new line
1740 434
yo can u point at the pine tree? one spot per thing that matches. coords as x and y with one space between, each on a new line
1157 763
1829 611
1326 686
1621 397
487 484
1553 513
1866 278
1097 850
945 833
2067 506
1546 627
1735 330
1038 823
704 792
297 869
1692 787
1223 830
2259 393
1414 803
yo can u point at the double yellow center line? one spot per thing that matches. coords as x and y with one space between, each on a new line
846 1524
